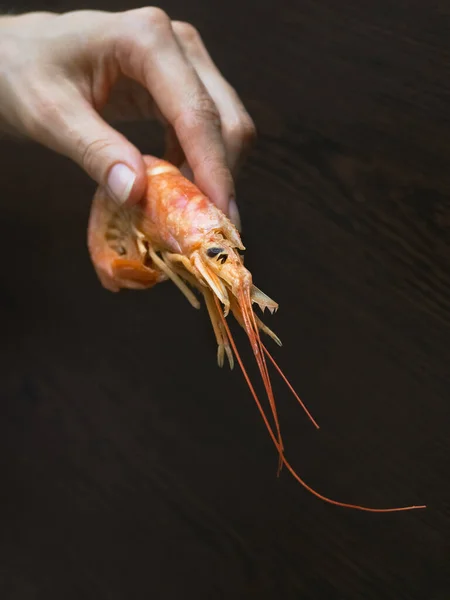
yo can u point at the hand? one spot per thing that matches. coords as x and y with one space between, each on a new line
63 76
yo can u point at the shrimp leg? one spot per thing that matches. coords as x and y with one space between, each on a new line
144 245
189 273
203 274
223 344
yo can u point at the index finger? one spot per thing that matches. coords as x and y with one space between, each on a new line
148 52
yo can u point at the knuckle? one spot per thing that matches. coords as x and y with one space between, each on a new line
141 31
150 17
240 132
186 32
201 111
91 153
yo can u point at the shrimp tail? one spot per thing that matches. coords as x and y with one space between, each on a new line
135 271
115 253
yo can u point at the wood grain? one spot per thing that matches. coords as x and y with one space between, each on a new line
131 466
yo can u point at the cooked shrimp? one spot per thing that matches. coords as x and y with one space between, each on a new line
177 233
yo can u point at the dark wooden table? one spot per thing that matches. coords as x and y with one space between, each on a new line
131 467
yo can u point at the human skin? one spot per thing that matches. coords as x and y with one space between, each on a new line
64 78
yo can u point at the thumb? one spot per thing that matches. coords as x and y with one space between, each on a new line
78 132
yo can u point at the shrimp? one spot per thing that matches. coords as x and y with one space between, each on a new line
176 233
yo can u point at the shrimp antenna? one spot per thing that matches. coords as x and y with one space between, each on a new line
252 331
299 400
280 450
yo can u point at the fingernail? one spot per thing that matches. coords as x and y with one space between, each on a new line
120 182
234 214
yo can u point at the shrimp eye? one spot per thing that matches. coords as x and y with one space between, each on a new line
212 252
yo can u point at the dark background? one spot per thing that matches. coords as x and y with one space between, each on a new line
131 467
